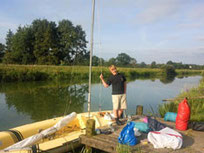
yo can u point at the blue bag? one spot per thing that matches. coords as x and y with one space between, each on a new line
170 116
142 127
127 135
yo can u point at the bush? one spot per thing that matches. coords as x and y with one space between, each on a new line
169 70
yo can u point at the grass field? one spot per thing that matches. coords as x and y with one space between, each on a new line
11 73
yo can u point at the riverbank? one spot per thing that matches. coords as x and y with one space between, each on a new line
195 99
12 73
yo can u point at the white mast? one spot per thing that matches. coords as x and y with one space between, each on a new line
91 53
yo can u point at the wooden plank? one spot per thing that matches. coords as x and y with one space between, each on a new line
108 138
99 143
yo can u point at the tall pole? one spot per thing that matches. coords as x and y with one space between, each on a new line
91 53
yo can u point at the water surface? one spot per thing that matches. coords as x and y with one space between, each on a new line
22 103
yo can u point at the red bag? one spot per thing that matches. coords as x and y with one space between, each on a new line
183 115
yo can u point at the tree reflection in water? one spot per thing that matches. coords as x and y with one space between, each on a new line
42 101
167 79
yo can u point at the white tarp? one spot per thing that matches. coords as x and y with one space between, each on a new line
26 143
165 138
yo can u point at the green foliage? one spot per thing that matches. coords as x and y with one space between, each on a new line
51 99
153 64
46 42
41 72
143 65
111 61
123 59
123 148
10 73
72 43
21 48
195 101
43 42
9 41
169 70
2 51
167 107
167 78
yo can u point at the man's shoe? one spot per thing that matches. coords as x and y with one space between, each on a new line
118 122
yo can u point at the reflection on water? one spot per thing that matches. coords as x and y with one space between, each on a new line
42 101
22 103
167 79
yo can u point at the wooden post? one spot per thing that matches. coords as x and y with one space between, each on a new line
139 110
90 127
90 131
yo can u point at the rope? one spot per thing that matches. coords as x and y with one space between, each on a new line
100 54
68 104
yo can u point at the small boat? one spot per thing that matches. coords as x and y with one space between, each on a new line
66 139
63 140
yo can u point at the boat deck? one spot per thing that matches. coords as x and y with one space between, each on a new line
192 141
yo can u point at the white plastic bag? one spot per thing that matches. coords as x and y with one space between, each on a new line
109 117
136 132
165 138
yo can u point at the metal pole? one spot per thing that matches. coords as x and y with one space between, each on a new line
91 53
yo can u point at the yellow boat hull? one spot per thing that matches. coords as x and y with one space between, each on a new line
63 140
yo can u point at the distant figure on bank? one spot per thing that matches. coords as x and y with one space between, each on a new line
118 82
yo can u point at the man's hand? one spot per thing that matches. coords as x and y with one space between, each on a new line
104 83
101 76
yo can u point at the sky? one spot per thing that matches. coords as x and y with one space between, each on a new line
147 30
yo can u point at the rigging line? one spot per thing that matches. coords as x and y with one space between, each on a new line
69 102
91 53
100 53
74 61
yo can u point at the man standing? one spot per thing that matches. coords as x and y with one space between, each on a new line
118 82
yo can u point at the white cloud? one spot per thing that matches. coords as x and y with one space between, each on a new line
158 10
8 25
200 38
190 25
197 12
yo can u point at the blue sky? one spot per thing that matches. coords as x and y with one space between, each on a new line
147 30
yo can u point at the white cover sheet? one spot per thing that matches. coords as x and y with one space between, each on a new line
26 143
166 137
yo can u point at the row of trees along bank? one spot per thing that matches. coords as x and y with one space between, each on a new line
47 43
44 42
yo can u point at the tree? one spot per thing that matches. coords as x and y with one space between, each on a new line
22 47
123 59
2 51
169 70
153 64
8 48
46 42
72 42
133 62
170 63
143 65
9 41
95 61
111 61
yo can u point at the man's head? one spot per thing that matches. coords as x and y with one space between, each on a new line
113 69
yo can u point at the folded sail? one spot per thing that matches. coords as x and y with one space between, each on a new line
26 143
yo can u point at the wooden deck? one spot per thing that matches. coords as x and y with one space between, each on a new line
192 142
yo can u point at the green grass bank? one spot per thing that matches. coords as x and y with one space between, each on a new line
195 99
12 73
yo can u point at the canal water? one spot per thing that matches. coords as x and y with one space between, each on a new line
22 103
